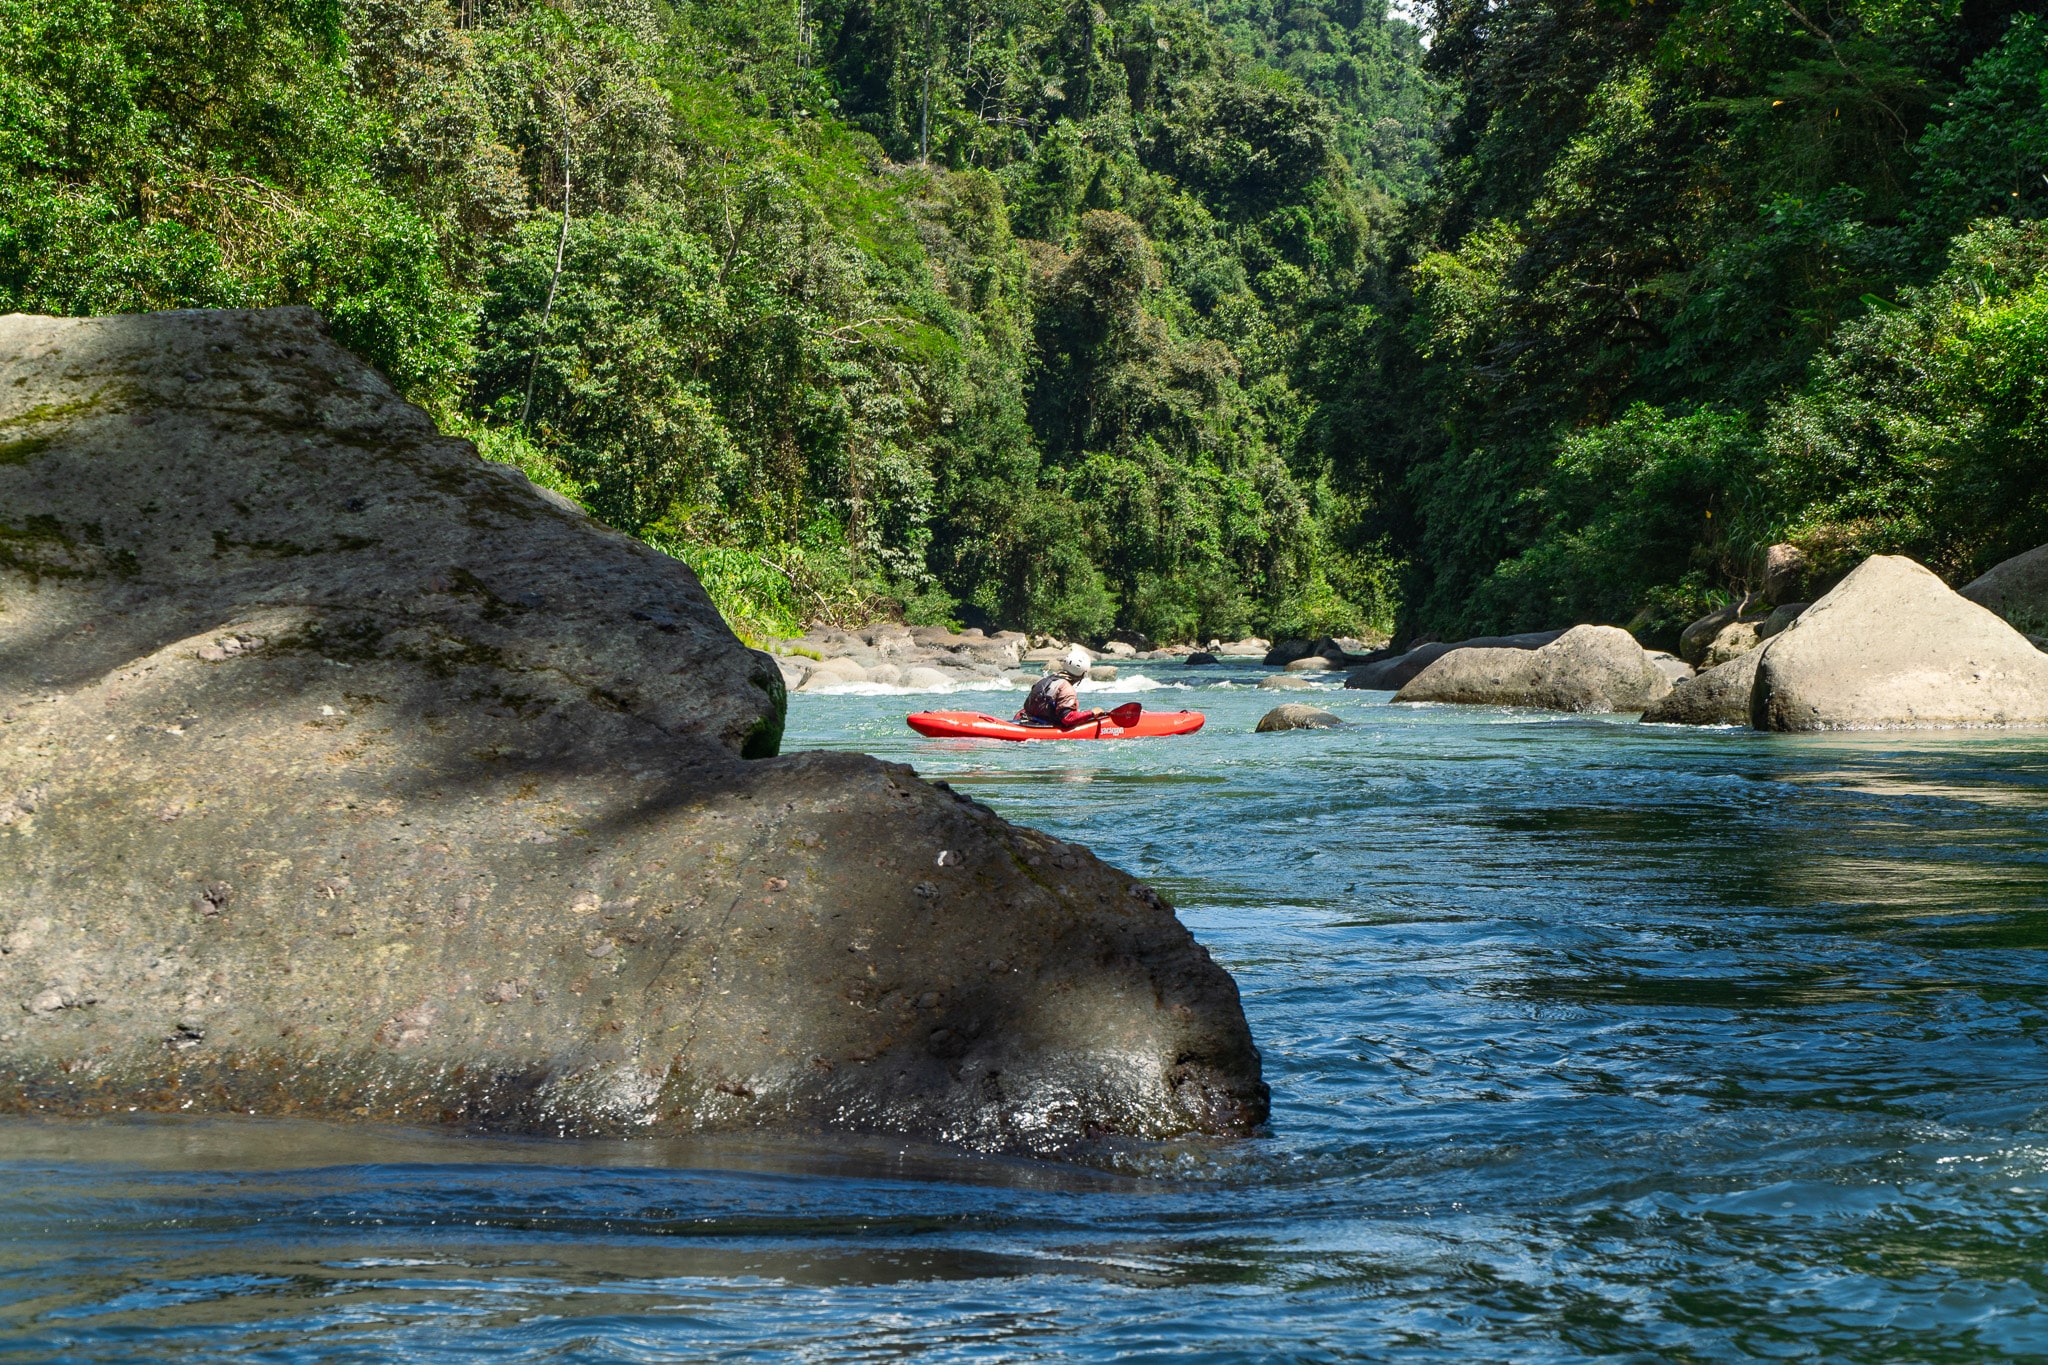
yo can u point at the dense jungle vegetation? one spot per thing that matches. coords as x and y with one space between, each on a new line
1702 275
1190 318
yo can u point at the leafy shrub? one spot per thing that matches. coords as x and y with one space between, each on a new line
1922 431
1628 509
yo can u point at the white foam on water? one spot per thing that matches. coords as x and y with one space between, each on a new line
1137 682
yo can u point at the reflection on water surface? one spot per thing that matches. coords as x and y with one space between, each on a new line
1587 1040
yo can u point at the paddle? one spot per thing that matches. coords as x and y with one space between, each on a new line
1123 717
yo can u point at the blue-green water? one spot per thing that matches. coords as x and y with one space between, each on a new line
1586 1039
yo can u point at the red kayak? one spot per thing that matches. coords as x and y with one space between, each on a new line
974 725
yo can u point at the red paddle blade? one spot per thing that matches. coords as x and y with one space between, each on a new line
1125 716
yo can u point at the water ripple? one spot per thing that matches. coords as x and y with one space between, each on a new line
1587 1041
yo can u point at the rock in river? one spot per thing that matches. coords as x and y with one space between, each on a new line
1891 647
1392 674
1294 716
1333 652
924 678
1588 668
1719 696
343 773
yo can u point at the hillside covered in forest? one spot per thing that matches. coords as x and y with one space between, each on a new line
1191 319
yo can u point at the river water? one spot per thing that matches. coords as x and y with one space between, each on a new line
1587 1040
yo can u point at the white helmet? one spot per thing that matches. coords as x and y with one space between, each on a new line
1076 664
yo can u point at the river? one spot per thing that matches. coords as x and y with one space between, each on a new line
1587 1040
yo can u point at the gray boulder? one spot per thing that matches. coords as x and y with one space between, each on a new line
1780 617
1286 682
1719 696
1695 639
1323 647
1588 668
343 774
2016 589
832 673
1736 639
1674 669
1891 647
1374 656
997 654
1392 674
1201 656
1785 572
1294 716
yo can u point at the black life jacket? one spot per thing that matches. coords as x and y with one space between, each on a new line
1038 705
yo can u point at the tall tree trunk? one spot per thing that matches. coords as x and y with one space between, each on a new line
924 100
547 312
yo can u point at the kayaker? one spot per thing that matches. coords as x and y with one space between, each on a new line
1052 699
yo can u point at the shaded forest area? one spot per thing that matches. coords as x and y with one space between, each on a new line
1193 319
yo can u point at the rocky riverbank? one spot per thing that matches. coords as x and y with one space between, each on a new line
925 658
1889 646
932 657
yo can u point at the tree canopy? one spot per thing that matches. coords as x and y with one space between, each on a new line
1698 276
1191 318
985 312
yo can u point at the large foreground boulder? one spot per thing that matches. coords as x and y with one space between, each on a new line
1891 647
343 773
2016 589
1719 696
1588 668
1392 674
